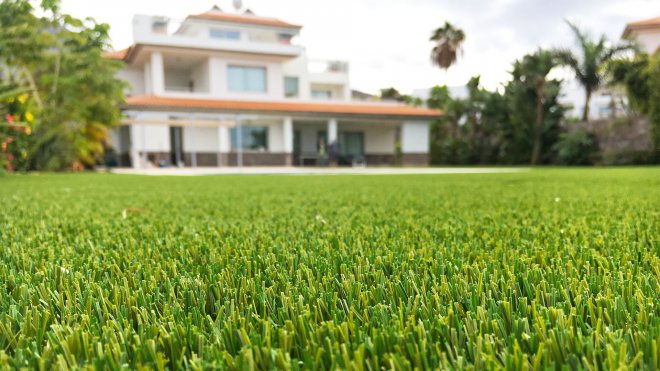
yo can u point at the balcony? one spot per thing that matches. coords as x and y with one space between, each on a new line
162 31
186 74
328 72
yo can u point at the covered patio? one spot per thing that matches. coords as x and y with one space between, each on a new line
176 132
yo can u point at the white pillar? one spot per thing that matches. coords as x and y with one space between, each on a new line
220 139
332 131
239 142
223 137
143 146
287 128
157 73
135 150
193 149
287 135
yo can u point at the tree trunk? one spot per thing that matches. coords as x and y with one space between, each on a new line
587 101
538 125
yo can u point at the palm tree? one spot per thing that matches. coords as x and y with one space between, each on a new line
449 40
532 71
589 63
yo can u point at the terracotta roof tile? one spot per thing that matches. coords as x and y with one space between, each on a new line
338 108
244 18
116 54
645 24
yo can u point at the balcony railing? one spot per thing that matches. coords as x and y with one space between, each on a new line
327 66
173 27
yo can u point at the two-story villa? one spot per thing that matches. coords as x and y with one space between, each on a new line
220 89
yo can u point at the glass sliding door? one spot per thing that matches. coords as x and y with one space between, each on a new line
351 145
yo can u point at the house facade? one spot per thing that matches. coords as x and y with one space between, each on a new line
646 32
224 89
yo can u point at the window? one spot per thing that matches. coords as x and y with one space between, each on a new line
321 94
284 38
224 34
247 79
351 144
253 138
290 87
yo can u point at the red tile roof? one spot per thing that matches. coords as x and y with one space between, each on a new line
338 108
117 54
215 15
645 24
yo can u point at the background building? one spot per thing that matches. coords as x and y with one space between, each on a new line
236 89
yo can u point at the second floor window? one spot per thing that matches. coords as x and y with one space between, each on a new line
246 79
321 94
224 34
290 87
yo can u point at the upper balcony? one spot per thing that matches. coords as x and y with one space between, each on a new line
328 72
200 34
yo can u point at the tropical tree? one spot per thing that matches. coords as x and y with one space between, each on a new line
533 102
588 64
449 40
469 131
641 78
60 60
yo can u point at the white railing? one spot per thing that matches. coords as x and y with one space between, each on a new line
331 66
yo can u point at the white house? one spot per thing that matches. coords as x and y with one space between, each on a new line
224 89
646 32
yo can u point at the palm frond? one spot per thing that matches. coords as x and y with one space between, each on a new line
581 37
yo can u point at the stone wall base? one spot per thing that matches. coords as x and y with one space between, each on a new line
415 159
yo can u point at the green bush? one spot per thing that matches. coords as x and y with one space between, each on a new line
576 148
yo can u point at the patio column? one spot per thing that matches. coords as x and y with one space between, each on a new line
287 135
223 143
157 73
193 149
239 142
143 146
332 131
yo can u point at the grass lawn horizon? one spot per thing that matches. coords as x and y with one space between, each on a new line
547 268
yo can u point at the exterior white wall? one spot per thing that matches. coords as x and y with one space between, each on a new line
156 137
415 137
200 139
298 68
379 140
649 40
275 137
135 78
176 80
148 87
201 77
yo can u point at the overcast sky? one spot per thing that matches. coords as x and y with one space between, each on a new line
386 41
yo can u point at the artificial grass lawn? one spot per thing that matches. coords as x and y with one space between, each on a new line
527 270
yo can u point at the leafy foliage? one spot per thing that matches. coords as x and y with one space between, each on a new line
641 78
576 148
589 64
501 271
15 128
534 109
60 59
514 127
